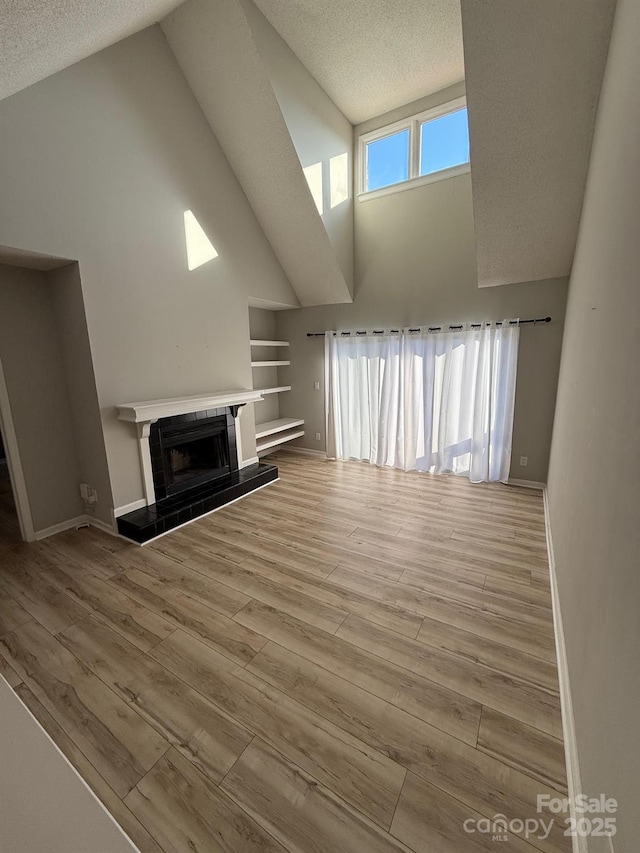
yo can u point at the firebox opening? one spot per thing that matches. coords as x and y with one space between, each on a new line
187 453
201 457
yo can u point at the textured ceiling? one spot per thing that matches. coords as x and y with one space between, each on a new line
373 55
533 76
39 38
534 70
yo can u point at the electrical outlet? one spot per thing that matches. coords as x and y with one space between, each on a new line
316 386
524 461
317 436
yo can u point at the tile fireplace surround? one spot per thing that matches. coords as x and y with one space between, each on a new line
158 517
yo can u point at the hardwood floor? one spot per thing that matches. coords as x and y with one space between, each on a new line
354 660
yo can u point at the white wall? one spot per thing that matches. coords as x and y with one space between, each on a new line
86 425
32 362
45 805
319 131
216 49
415 263
594 477
99 163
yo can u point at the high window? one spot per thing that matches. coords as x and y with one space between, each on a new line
423 148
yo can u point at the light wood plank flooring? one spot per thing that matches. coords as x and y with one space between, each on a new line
352 660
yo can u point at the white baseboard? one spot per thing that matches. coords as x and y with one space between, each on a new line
246 462
102 525
61 527
78 521
568 722
527 484
134 505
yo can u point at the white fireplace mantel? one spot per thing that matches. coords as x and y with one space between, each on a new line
147 412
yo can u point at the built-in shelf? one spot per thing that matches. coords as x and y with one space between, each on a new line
278 438
271 427
277 390
272 433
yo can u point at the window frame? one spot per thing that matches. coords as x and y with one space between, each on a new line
413 123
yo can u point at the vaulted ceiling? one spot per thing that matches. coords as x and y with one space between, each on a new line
218 52
38 39
533 75
371 56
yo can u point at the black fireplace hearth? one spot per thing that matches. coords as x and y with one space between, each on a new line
194 462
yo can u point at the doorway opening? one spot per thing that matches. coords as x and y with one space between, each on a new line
10 534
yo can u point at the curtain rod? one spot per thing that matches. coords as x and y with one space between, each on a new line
436 328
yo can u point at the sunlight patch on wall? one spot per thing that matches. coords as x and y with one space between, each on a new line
313 174
200 249
339 179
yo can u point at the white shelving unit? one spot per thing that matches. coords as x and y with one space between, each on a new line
278 390
281 424
271 433
269 443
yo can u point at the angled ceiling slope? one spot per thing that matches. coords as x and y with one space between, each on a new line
533 71
38 39
373 56
213 44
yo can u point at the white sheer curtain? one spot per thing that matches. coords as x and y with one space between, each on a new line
426 401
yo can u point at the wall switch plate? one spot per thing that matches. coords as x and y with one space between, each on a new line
316 386
524 461
317 436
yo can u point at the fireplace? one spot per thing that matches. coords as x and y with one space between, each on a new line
191 461
190 451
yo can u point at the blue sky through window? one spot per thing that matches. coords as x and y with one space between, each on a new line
388 160
444 142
